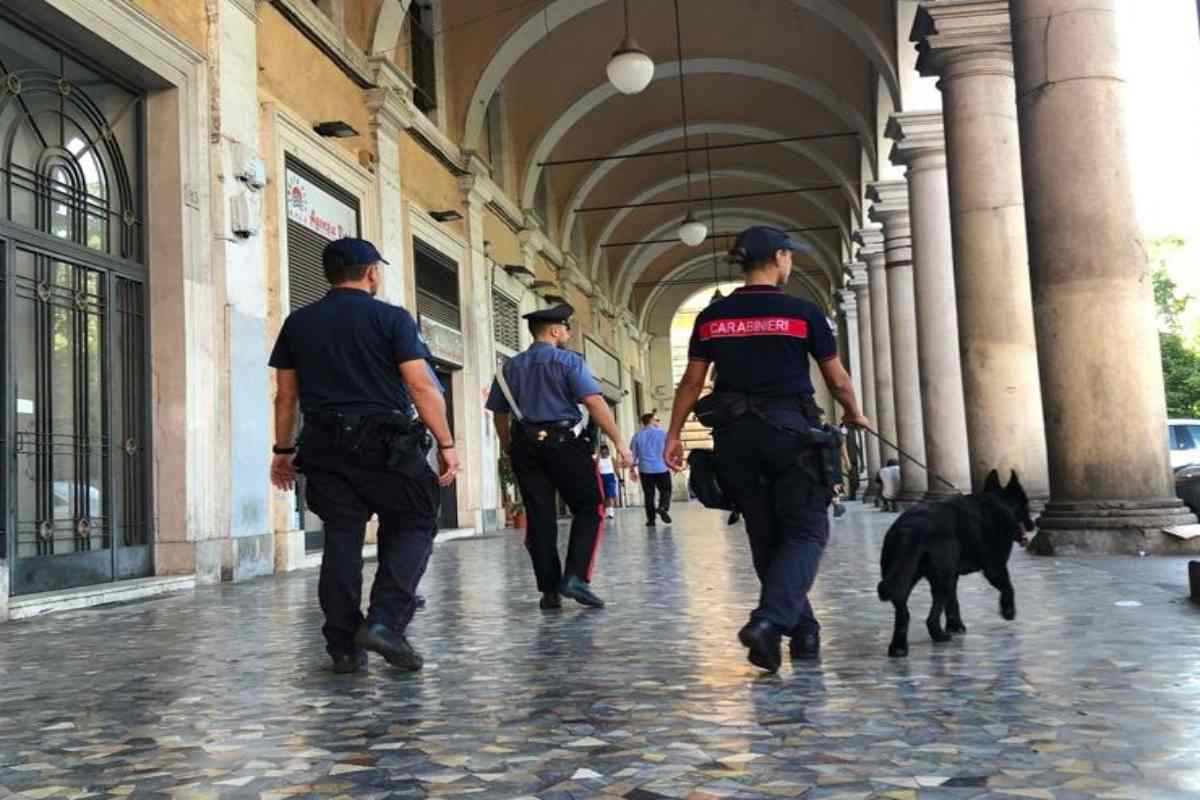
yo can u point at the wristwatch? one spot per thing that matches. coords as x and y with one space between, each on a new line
284 451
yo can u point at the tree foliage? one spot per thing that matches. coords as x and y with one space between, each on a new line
1180 361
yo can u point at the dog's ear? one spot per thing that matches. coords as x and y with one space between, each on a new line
992 483
1014 484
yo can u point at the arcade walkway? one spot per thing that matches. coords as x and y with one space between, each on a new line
1093 692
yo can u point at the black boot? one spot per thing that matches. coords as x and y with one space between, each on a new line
347 663
550 601
763 639
805 646
392 646
578 590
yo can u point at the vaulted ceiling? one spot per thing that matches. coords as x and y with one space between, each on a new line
754 71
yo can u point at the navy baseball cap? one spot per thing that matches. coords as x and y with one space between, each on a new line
350 253
760 243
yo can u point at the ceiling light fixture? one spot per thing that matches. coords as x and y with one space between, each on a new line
712 218
630 69
692 232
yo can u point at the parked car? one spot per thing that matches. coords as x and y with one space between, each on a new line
1187 486
1184 438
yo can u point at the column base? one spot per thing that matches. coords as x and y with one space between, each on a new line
909 498
868 494
1114 527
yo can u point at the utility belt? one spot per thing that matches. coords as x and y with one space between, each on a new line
404 441
819 454
553 434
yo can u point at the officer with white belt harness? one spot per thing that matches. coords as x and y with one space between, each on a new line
551 450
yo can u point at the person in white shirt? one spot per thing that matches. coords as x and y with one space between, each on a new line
889 476
608 477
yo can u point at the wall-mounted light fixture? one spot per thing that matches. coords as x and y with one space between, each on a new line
446 216
335 129
517 269
556 299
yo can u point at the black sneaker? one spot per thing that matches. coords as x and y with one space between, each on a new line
578 590
550 601
394 648
805 646
651 524
347 663
665 517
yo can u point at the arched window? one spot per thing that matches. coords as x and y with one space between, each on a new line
70 143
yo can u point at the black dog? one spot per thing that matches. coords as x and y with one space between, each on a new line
945 539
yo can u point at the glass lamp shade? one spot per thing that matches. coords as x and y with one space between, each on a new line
630 70
692 232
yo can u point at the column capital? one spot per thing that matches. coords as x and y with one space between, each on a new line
476 187
920 138
889 201
390 101
858 277
950 32
870 241
848 301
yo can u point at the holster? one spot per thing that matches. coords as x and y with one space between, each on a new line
703 482
823 455
551 435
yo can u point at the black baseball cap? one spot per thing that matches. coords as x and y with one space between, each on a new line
350 253
760 243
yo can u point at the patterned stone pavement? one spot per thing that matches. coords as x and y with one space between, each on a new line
1092 692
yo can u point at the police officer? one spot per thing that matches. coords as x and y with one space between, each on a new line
357 368
760 340
534 399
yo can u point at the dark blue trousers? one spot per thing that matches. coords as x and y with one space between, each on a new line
771 478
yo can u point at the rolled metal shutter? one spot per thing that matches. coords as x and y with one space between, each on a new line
306 278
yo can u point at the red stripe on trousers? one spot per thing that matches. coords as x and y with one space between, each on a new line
600 529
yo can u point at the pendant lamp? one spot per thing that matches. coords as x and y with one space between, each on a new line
630 69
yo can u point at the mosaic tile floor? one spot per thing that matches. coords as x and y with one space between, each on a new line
226 692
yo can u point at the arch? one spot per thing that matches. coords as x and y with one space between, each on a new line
644 143
542 23
388 24
761 177
640 257
590 101
823 296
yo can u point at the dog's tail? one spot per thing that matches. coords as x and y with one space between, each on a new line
898 568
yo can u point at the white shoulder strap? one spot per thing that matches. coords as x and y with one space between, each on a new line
508 395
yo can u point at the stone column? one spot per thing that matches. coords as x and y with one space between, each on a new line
391 115
921 147
871 250
1111 489
479 479
891 209
967 43
854 362
866 353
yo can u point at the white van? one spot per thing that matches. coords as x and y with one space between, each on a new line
1184 438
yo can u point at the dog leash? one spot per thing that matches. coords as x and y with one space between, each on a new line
896 447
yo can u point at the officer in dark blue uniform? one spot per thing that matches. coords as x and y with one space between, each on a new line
357 369
535 399
768 446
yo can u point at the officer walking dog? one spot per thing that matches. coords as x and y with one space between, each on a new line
551 451
776 465
945 539
358 371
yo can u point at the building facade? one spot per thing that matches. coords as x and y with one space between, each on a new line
173 168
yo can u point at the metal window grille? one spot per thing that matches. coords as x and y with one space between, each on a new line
424 64
506 326
437 285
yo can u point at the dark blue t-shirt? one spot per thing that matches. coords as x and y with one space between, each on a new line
346 349
760 339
